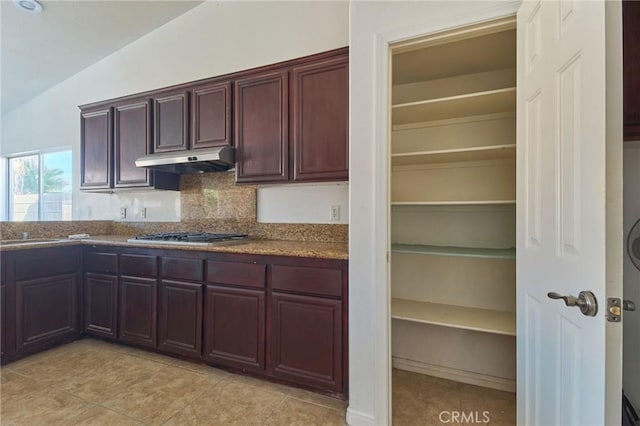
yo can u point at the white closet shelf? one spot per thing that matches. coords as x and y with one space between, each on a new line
477 103
476 319
484 253
481 153
452 203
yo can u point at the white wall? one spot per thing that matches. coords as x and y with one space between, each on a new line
211 39
370 24
303 203
631 320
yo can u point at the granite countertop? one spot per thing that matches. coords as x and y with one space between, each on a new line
259 247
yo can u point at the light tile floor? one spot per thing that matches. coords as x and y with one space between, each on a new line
424 400
91 382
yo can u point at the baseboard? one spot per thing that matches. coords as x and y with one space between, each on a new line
358 418
478 379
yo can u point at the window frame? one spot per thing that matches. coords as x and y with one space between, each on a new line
8 187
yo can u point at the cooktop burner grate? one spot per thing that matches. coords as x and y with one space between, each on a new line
188 238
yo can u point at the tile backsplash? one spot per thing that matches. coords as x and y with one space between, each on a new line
215 196
210 202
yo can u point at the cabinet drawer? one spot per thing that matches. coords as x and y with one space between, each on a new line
316 281
105 263
242 274
138 265
47 262
182 269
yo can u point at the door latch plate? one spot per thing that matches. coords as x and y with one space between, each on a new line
614 309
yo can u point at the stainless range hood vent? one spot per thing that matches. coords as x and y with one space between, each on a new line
217 159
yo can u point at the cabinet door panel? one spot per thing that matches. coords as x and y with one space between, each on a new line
180 318
138 313
320 120
171 122
47 310
261 128
631 61
3 318
96 147
306 340
8 318
235 327
101 305
132 139
211 121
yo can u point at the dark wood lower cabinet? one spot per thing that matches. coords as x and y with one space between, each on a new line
281 318
3 318
235 327
101 305
306 340
47 310
180 318
7 316
138 310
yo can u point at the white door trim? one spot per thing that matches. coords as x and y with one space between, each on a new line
381 204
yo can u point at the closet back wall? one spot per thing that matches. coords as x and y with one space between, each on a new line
211 39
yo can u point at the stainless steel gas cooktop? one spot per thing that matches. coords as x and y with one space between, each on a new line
189 238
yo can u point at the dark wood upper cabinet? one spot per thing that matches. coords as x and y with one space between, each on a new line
320 115
261 127
631 64
132 139
211 115
171 122
287 121
113 137
96 147
316 115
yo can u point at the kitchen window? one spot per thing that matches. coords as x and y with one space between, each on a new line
39 186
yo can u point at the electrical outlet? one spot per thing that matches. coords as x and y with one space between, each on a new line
335 213
123 212
143 212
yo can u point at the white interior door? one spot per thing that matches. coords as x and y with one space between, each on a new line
569 199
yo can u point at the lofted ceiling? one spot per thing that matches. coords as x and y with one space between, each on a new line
40 50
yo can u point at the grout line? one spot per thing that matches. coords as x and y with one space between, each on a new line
117 412
341 411
275 407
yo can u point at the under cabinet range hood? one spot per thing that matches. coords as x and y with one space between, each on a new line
217 159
